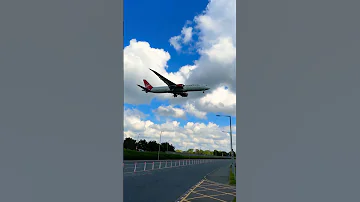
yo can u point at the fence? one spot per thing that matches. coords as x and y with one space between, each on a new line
192 154
142 166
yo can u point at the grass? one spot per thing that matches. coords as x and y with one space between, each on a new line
232 180
232 177
136 155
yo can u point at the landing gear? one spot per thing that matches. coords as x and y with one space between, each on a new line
203 91
175 95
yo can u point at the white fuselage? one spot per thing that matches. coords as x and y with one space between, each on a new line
186 88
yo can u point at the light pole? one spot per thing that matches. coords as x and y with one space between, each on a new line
159 146
137 140
232 152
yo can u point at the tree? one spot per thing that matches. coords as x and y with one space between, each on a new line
178 150
208 152
142 144
129 143
152 146
190 151
171 148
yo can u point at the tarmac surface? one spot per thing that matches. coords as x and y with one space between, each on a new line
167 184
216 189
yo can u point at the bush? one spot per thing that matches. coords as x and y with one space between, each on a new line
136 155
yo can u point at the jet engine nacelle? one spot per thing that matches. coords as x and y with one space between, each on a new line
184 94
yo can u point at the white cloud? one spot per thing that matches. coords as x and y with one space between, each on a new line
191 109
170 111
191 136
220 99
187 34
174 41
184 38
215 29
223 51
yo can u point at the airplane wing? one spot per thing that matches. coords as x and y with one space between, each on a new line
165 80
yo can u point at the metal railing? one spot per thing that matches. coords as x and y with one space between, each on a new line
145 165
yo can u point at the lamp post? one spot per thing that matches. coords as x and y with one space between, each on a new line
232 152
137 140
159 146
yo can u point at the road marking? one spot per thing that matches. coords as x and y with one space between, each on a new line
191 190
218 191
199 191
207 196
204 196
219 184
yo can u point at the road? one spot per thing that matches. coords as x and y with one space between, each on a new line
167 184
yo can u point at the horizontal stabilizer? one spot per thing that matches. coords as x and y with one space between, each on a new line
144 89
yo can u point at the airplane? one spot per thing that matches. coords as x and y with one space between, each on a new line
176 89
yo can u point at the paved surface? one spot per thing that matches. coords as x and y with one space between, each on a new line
216 189
165 185
221 176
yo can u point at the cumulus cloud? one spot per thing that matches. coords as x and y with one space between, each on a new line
191 136
191 109
216 44
170 111
175 42
184 38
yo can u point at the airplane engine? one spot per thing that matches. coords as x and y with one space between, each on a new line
180 85
184 95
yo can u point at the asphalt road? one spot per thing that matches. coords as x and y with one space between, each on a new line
166 185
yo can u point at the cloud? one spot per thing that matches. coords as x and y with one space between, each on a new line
187 34
220 99
170 111
216 43
191 109
184 38
191 136
174 41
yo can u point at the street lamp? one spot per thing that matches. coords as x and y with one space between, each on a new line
159 146
232 152
137 140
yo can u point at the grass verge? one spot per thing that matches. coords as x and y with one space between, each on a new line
232 181
136 155
232 177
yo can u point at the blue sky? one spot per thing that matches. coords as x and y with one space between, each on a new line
155 22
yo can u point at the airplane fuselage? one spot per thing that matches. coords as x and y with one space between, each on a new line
176 89
185 88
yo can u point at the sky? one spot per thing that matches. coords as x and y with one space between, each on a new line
188 42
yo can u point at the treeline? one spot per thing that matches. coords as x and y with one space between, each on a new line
152 146
132 144
206 152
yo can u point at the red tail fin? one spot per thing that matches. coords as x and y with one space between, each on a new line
147 85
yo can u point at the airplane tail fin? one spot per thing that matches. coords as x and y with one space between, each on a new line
147 85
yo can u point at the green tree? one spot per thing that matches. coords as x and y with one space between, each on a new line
142 144
178 150
129 143
208 152
171 148
191 151
152 146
